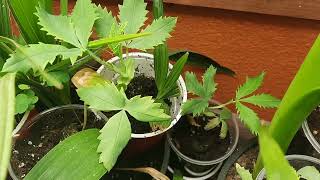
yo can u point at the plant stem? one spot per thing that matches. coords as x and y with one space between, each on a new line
85 116
222 105
99 60
64 7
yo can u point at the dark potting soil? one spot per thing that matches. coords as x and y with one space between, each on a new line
198 143
246 160
314 123
33 144
151 158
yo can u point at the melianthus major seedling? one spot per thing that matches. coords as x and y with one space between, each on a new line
200 105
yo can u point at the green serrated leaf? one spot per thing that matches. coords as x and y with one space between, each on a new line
248 117
251 85
160 30
83 17
125 69
102 97
309 173
114 136
243 173
25 102
275 163
195 106
262 100
134 13
214 122
145 109
193 85
42 54
209 85
61 76
104 23
225 114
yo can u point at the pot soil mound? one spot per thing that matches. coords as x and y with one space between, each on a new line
314 123
197 143
44 135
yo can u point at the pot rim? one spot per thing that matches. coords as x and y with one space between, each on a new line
262 173
215 161
315 144
183 91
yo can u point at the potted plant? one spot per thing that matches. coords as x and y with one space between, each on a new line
208 133
311 129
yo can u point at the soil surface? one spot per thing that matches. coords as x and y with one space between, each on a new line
144 86
314 123
44 135
198 143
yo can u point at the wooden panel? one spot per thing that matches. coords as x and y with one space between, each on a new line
308 9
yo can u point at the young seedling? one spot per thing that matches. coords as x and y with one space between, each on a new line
200 106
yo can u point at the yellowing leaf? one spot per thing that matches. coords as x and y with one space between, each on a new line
102 97
248 117
133 12
262 100
251 85
145 109
113 138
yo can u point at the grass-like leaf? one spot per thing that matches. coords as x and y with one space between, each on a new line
102 97
275 163
248 117
75 158
113 138
309 173
144 109
195 106
251 85
104 23
262 100
7 109
5 25
243 173
160 30
42 54
134 13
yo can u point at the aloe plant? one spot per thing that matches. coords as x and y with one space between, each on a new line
303 94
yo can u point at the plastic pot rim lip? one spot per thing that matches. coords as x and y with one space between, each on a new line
262 173
36 118
315 144
211 162
183 93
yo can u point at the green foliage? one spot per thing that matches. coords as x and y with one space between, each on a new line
23 12
134 13
7 109
251 85
275 163
215 121
303 94
25 101
125 69
243 173
205 92
5 25
249 117
43 54
309 173
177 175
74 158
64 7
262 100
105 22
113 138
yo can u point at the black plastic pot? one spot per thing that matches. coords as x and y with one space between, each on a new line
241 149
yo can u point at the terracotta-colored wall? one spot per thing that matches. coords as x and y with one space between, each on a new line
245 42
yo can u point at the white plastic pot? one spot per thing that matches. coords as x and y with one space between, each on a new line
315 144
144 65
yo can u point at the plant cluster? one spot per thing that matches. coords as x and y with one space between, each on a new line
200 105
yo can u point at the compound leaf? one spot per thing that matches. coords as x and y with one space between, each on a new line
251 85
195 106
262 100
248 117
193 85
104 23
114 136
209 85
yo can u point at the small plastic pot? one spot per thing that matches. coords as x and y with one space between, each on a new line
144 64
301 159
62 116
204 167
315 144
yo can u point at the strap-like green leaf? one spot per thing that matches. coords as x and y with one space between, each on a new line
251 85
243 173
160 30
195 106
262 100
309 173
275 163
42 54
145 109
134 13
102 97
248 117
104 23
7 110
114 136
75 158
